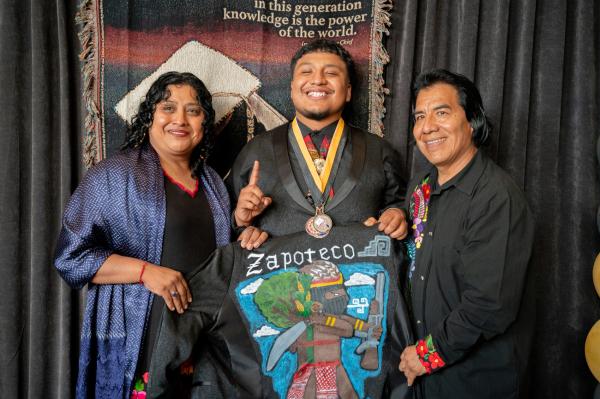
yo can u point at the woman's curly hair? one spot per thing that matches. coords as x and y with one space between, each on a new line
137 131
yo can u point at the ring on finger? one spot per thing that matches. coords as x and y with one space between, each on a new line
174 294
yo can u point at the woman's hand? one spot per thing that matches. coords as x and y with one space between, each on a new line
169 284
159 280
252 238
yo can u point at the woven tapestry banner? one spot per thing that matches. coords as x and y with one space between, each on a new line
240 49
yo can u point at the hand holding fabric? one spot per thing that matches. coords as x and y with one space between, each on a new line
410 364
169 284
392 222
252 238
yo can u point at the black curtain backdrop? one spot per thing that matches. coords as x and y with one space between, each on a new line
535 62
40 119
536 65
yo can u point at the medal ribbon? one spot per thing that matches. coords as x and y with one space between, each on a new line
319 180
320 154
312 149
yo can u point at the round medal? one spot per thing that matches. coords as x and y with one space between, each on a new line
310 229
322 223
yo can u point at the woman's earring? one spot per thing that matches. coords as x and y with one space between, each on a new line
142 138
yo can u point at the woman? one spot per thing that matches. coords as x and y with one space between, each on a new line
136 223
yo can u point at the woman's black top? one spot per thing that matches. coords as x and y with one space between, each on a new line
189 239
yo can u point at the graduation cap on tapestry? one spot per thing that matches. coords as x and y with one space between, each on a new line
229 83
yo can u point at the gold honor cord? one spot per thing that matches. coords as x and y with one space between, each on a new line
320 180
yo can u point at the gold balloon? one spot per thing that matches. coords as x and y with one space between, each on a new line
596 274
592 350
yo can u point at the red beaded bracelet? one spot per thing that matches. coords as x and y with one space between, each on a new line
142 272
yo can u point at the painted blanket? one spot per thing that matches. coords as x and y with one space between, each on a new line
240 49
298 318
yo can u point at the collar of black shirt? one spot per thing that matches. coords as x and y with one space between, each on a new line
465 180
318 135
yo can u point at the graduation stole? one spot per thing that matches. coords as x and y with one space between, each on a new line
320 179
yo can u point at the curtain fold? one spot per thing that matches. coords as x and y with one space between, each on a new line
536 65
39 77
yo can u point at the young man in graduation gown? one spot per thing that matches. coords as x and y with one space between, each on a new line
317 171
472 238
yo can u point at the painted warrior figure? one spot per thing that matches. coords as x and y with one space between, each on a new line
317 337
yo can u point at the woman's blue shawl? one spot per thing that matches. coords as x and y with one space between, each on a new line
120 208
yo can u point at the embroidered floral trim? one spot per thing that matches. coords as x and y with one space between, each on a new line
418 208
428 355
139 390
186 368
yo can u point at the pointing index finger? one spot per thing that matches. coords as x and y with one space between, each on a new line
255 173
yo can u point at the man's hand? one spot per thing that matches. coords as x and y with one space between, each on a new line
410 364
392 222
251 201
252 238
